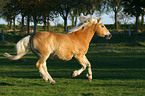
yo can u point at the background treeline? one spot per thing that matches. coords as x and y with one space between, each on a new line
42 11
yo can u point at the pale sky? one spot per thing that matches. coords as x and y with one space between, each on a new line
106 19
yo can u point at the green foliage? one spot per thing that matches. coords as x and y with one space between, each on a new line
133 7
45 10
3 26
59 25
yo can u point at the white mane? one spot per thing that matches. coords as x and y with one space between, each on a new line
84 21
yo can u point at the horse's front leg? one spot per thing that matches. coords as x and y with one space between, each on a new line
89 74
84 62
81 60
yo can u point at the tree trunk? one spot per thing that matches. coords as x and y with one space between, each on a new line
45 24
76 19
116 21
48 25
35 24
23 20
65 24
8 23
72 20
142 20
11 24
28 24
14 24
136 24
64 16
22 27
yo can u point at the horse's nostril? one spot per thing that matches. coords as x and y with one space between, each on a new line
108 36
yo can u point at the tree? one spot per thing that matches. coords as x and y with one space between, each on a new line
2 4
63 7
25 10
37 10
133 8
86 7
75 8
115 6
90 6
10 11
47 12
142 7
74 14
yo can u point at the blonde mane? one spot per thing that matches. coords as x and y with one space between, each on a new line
84 22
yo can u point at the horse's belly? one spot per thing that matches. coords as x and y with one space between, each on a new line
61 57
63 49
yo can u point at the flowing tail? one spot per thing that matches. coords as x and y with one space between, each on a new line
22 48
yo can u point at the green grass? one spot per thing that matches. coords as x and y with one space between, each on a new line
118 70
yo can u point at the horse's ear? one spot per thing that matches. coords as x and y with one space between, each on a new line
99 20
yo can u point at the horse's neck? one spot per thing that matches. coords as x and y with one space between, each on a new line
86 34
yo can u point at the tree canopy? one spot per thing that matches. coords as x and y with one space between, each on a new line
45 10
134 8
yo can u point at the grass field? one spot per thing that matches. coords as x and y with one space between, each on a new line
118 70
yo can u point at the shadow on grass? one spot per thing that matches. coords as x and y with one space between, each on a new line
120 38
102 74
21 74
5 84
104 67
119 74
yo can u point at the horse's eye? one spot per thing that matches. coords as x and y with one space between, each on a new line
102 26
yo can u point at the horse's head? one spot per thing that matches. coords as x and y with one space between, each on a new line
101 30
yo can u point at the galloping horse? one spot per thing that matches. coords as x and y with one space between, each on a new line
62 46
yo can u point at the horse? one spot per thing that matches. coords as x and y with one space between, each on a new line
61 46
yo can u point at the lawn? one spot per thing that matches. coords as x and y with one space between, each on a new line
118 70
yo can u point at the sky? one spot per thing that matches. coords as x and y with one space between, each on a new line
106 19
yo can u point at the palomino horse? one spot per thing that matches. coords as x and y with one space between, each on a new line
62 46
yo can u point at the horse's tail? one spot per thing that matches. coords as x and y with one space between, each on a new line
22 48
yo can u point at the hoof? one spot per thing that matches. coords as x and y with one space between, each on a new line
53 83
90 80
71 76
89 77
45 79
74 74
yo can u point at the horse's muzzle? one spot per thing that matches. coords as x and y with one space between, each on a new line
108 36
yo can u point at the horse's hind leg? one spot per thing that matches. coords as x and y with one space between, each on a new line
48 75
41 65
